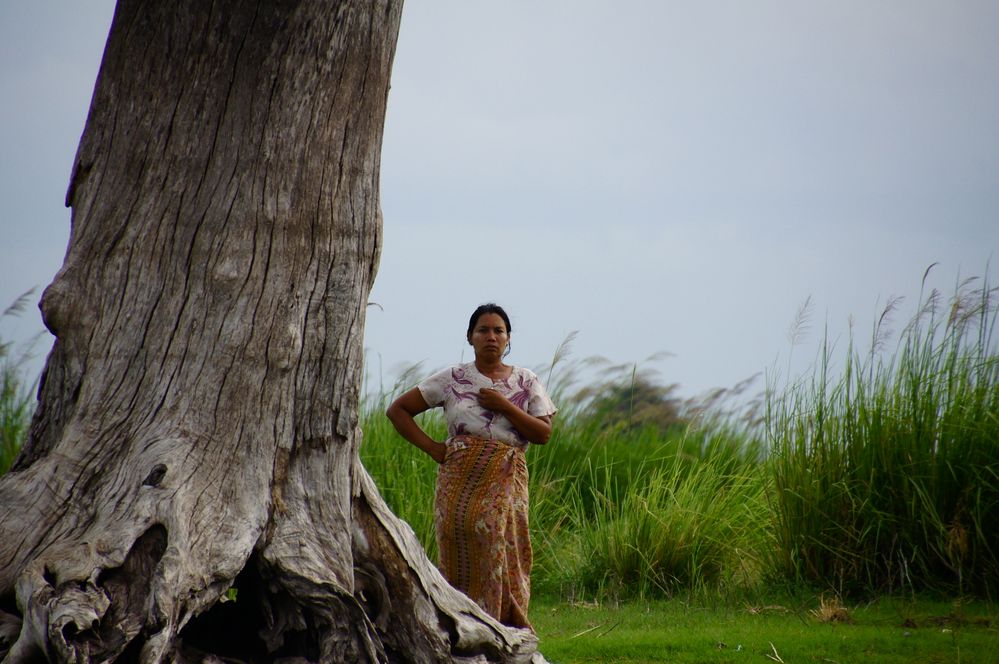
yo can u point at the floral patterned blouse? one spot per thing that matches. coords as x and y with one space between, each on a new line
457 389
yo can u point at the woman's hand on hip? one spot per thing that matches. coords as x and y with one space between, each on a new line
402 411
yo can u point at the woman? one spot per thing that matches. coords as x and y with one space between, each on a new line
493 411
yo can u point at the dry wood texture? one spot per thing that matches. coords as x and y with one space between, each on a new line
197 425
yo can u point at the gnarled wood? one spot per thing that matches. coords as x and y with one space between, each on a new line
197 425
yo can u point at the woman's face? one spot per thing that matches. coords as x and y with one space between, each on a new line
489 337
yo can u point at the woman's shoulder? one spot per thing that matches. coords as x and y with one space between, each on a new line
455 372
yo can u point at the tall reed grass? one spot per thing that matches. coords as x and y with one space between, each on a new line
684 525
886 475
17 403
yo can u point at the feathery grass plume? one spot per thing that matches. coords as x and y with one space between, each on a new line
801 324
562 353
725 405
882 332
19 305
885 476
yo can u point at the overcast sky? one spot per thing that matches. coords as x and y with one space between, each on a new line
658 176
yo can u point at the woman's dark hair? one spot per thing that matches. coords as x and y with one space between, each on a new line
488 308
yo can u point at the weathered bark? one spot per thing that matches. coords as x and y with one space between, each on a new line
197 428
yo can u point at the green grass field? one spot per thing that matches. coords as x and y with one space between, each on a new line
886 631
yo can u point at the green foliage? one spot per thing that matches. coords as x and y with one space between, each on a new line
684 525
887 476
637 402
17 401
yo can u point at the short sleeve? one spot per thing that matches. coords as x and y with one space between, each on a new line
539 404
432 388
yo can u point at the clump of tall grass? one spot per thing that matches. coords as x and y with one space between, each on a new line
684 525
17 403
887 476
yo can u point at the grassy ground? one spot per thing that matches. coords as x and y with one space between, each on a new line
889 630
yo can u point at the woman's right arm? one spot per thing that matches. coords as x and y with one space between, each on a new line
402 411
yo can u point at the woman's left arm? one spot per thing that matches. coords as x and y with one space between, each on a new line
534 428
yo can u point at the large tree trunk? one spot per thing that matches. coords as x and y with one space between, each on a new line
197 427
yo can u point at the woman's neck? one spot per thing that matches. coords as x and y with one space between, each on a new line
492 369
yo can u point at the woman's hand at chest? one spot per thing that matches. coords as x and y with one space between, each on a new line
535 429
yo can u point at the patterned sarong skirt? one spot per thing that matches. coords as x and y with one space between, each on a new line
480 514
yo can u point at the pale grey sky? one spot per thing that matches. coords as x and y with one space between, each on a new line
660 176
